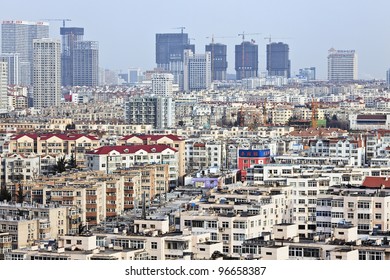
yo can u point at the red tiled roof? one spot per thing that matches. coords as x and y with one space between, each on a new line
61 136
152 137
376 182
130 149
371 117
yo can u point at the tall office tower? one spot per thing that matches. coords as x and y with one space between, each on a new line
69 36
17 37
278 62
169 54
342 65
12 60
162 84
218 61
86 63
197 71
247 61
388 77
47 73
3 87
308 73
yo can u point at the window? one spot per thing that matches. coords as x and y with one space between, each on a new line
364 204
238 236
153 245
79 242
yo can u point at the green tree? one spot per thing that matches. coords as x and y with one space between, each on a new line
60 165
20 195
5 194
72 162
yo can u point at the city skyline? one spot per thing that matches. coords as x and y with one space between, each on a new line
126 32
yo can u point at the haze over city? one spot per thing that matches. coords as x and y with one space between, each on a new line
126 30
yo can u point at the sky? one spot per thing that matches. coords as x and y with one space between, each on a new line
126 29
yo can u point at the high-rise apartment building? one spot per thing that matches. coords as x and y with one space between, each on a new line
46 73
388 77
170 53
17 37
342 65
86 63
197 71
12 60
218 61
247 61
278 62
158 111
162 84
3 87
69 36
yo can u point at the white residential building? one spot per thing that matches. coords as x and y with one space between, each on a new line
162 84
47 72
197 71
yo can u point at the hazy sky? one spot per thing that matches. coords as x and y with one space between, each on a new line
126 29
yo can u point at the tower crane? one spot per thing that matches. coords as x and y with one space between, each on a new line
269 38
243 51
58 19
180 27
314 113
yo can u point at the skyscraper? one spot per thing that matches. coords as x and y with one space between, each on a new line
218 61
197 71
162 84
278 62
342 65
3 87
247 61
12 60
86 63
169 53
17 37
69 36
47 73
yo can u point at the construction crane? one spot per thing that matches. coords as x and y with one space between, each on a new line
243 35
180 27
58 19
243 51
314 113
269 38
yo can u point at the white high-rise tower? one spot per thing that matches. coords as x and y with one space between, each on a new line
47 73
162 84
342 65
3 87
